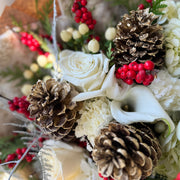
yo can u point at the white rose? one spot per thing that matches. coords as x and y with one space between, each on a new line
85 71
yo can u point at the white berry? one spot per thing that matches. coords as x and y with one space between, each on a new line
26 89
34 67
28 74
160 127
65 36
93 46
42 60
110 33
76 34
70 29
83 29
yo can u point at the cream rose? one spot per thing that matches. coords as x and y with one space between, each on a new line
85 71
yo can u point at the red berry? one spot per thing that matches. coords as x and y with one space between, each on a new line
12 107
23 150
77 19
28 158
11 157
97 38
78 13
139 78
142 73
123 75
146 83
76 6
140 66
132 64
41 139
24 34
141 6
149 1
118 75
105 178
24 41
83 2
94 21
89 21
128 81
131 74
119 70
29 36
32 48
149 77
125 67
18 151
91 26
19 156
73 9
149 65
16 101
83 20
178 176
100 175
89 14
135 67
83 9
11 165
85 16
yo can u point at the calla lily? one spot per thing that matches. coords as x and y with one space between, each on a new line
145 108
110 88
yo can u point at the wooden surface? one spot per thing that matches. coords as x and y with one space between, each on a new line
24 11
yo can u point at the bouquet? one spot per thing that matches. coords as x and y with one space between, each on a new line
104 101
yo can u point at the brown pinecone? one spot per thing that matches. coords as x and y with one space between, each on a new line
51 103
139 39
126 152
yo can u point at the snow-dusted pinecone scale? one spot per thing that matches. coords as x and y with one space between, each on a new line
126 152
139 39
51 103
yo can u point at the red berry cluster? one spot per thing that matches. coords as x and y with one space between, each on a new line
17 155
141 6
20 105
141 73
82 13
93 37
105 178
178 177
31 42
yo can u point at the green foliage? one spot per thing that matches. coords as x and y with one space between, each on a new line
15 73
157 6
9 144
16 23
157 177
44 15
129 4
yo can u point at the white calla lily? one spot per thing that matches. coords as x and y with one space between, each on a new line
145 108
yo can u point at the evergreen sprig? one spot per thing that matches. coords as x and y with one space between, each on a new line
15 73
129 4
157 6
157 177
43 15
9 144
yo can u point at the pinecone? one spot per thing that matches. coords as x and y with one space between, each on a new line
51 103
126 152
139 39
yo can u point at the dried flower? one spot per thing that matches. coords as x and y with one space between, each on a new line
66 162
